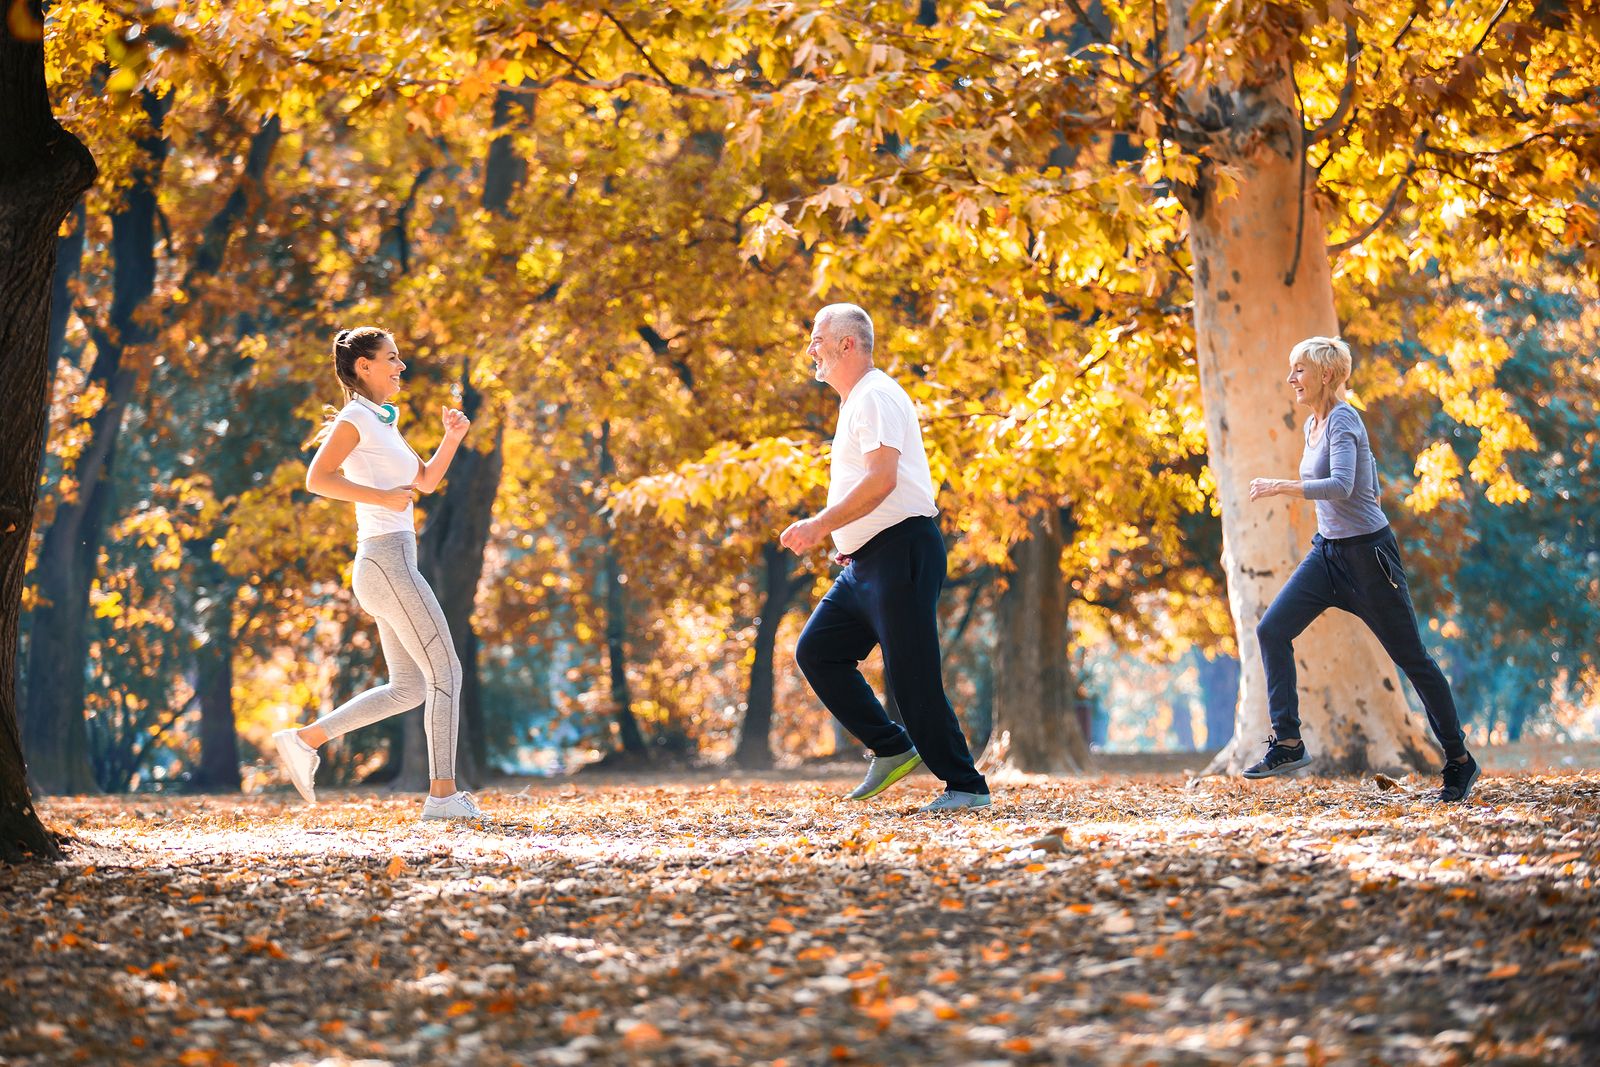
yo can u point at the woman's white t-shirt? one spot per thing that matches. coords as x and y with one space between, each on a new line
878 412
380 460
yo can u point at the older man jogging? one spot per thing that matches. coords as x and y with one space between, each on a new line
880 514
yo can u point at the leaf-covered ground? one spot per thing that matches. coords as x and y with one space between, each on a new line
709 921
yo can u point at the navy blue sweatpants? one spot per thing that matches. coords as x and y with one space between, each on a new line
889 595
1361 575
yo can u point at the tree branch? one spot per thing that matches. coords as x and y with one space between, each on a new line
637 47
1304 164
1498 15
1558 134
1405 29
1383 216
1347 94
1105 38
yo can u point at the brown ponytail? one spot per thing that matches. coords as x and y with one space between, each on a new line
349 346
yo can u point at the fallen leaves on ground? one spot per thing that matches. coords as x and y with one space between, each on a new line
710 921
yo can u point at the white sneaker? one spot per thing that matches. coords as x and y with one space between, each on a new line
300 760
955 800
458 805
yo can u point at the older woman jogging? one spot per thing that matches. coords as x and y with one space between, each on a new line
1354 564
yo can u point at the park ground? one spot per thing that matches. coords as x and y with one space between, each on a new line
1125 917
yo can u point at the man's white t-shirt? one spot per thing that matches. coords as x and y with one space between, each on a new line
380 460
878 412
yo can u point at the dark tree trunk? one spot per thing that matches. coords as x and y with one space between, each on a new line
58 637
43 171
1219 690
617 652
218 771
450 554
451 548
246 199
504 169
219 738
617 622
781 584
69 260
1035 699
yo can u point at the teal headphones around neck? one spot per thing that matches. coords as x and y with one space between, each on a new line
386 413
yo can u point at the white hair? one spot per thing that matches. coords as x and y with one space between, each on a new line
852 320
1325 354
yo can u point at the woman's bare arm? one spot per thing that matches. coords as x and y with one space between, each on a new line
323 477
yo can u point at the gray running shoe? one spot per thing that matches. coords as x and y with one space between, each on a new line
1280 759
884 772
955 800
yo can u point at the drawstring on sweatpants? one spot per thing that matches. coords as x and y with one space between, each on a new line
1333 563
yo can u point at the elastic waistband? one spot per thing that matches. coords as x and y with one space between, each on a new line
903 528
1359 539
397 539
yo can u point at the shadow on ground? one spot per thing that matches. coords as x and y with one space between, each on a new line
756 920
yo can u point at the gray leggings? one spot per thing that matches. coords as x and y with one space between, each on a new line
423 668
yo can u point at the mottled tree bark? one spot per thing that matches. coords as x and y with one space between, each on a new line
43 171
1262 283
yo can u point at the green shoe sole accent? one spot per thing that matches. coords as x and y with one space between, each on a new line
894 776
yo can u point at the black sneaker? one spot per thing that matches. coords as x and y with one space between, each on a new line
1458 779
1280 759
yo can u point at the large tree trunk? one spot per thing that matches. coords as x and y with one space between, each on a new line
1035 699
43 170
451 548
1262 283
755 736
58 637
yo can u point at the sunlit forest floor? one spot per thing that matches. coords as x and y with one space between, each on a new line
1116 918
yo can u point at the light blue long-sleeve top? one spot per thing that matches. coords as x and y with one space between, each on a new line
1340 474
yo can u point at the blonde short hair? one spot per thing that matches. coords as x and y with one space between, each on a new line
1325 354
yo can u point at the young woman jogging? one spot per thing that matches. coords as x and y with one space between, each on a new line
363 459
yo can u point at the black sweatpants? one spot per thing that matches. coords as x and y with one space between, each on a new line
889 595
1362 575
